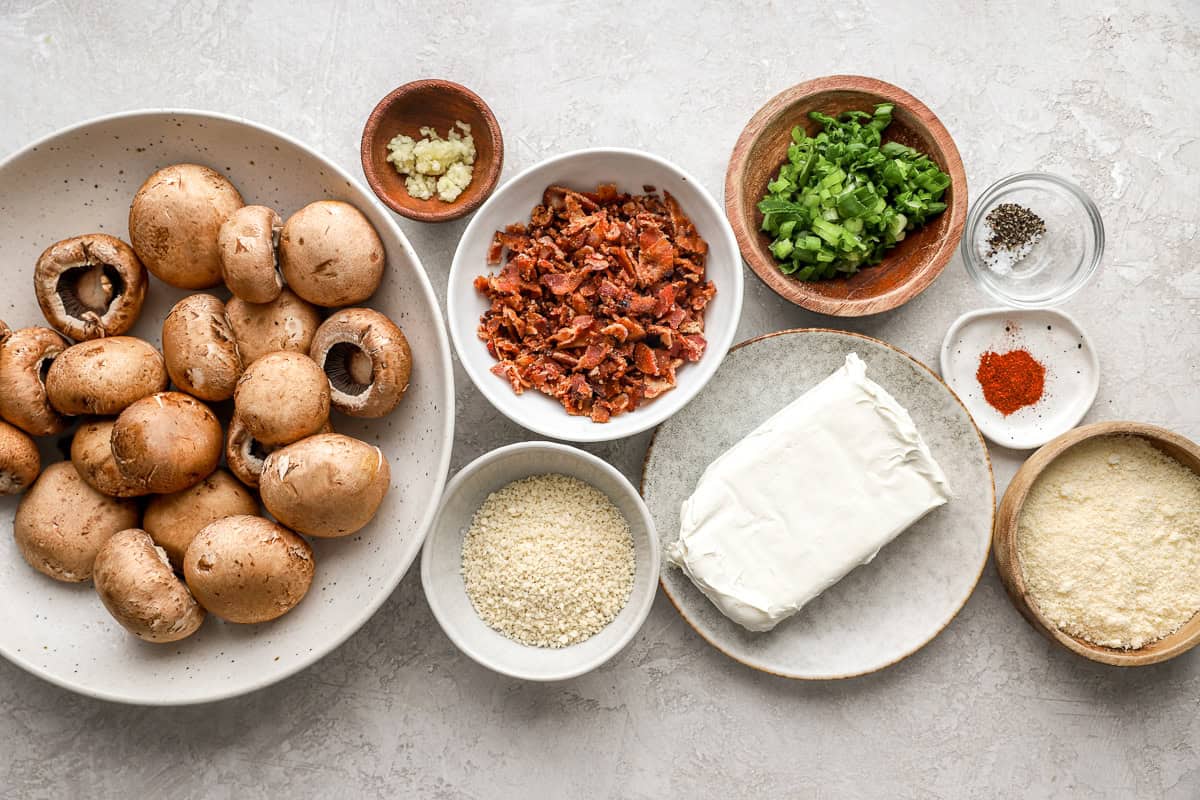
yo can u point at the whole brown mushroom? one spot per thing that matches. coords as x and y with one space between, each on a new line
367 360
90 286
25 358
173 520
248 569
327 485
167 441
281 398
20 462
61 523
248 263
174 221
198 345
91 453
104 376
245 455
138 587
285 323
330 254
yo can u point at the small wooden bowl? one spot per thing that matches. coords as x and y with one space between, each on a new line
762 148
436 104
1004 543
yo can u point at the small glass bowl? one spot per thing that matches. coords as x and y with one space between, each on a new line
1058 264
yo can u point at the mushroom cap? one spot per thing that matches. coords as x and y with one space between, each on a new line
62 522
25 356
5 331
173 520
285 323
247 245
174 221
330 254
367 359
91 453
167 441
248 569
327 485
198 345
245 455
104 376
138 587
90 286
20 461
282 397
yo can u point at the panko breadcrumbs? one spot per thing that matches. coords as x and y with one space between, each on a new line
548 561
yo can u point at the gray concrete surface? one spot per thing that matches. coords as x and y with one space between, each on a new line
1104 93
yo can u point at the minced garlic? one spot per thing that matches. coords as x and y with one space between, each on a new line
1109 542
435 165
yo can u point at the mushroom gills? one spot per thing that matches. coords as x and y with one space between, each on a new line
87 291
350 368
255 453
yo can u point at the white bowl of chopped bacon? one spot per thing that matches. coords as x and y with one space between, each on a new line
594 294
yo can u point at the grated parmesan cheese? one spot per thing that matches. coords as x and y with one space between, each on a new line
548 561
1109 542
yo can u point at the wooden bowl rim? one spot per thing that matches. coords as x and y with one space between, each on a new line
1008 562
764 265
486 176
982 564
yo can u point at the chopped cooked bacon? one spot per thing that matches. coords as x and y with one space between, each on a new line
601 299
656 257
642 306
635 329
692 347
594 355
495 250
561 283
571 334
686 237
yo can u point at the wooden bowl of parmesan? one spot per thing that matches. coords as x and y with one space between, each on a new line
1097 542
432 150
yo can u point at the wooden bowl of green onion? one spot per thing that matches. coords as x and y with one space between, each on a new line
847 195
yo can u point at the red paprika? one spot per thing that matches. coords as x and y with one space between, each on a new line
1011 380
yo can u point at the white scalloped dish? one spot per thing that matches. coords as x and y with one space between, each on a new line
1053 338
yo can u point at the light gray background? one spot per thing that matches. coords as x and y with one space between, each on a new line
1102 93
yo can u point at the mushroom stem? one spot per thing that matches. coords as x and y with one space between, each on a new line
10 482
93 286
360 367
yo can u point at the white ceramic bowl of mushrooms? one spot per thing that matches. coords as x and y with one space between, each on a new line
229 369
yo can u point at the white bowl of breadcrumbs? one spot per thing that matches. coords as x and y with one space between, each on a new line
542 563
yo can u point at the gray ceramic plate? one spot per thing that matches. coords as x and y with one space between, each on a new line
881 612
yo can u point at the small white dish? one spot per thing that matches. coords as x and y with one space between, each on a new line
630 170
1052 337
441 562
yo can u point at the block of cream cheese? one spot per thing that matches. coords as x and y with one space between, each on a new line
809 495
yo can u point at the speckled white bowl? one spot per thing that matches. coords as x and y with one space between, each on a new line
441 561
81 180
630 170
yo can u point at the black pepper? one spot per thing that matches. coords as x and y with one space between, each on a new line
1013 228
